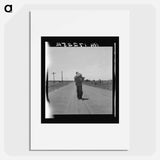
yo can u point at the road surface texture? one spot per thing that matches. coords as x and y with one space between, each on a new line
95 100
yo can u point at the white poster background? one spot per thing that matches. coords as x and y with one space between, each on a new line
79 136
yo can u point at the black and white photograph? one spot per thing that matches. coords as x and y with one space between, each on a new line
79 79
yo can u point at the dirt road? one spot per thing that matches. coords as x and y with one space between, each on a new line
95 100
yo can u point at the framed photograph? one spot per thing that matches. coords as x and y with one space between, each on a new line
79 79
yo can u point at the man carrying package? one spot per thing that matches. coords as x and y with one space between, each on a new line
78 81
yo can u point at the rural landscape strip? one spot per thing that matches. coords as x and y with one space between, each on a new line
52 86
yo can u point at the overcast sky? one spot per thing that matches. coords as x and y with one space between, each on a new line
92 62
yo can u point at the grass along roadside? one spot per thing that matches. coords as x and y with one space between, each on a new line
100 84
56 85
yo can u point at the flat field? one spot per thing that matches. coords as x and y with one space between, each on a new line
54 85
100 84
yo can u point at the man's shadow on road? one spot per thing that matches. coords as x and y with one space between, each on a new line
84 99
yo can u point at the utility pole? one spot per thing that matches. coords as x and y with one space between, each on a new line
53 76
62 76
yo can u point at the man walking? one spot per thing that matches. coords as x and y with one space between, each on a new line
78 81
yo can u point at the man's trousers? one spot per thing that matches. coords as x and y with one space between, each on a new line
79 92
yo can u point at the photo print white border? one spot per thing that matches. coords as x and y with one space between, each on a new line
45 137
